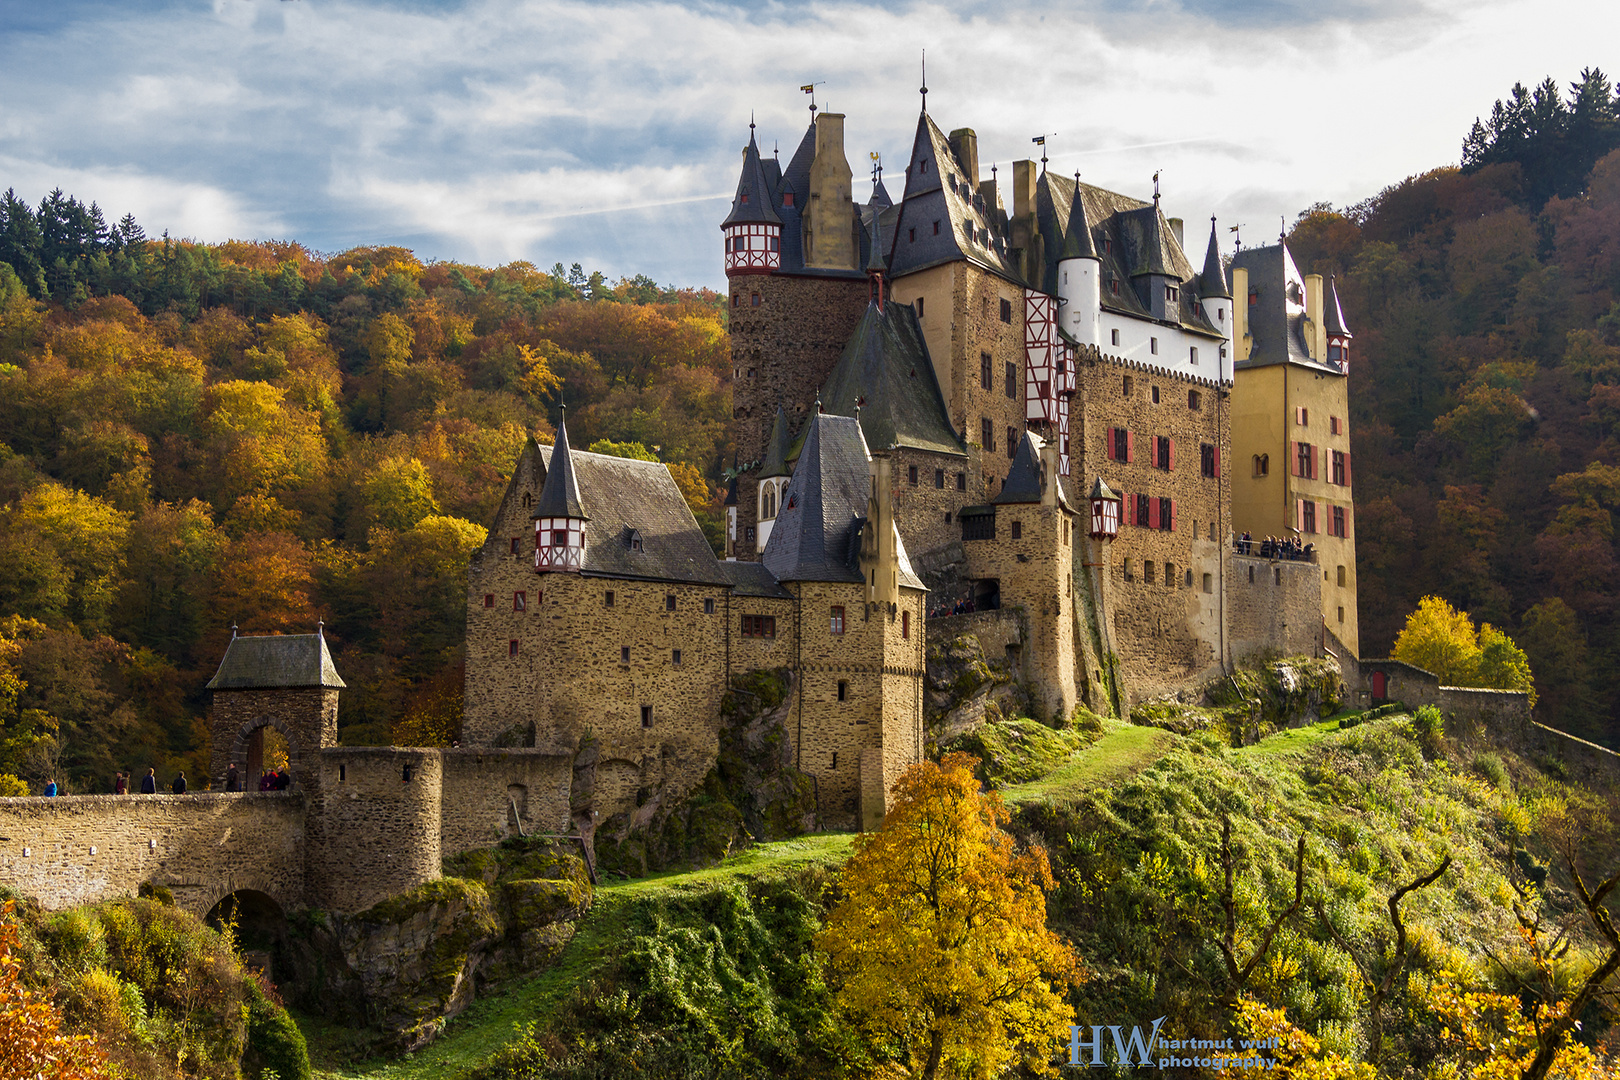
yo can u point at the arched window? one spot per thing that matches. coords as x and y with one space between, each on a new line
1262 464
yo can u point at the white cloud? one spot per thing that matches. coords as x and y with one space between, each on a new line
593 132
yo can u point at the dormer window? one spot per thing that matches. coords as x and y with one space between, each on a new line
922 166
787 198
634 537
745 198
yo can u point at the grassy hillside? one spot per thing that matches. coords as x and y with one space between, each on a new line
710 973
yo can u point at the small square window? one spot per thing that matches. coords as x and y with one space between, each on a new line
939 479
624 654
936 228
646 716
838 622
1018 530
489 599
1006 311
607 598
835 759
755 299
512 648
675 657
1209 583
843 695
919 308
1012 442
1195 400
905 624
1113 336
911 476
961 481
708 606
1125 381
520 601
1193 351
1012 380
1155 395
669 602
517 549
1153 346
911 236
947 517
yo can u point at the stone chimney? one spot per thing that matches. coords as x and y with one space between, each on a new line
830 216
1315 332
965 145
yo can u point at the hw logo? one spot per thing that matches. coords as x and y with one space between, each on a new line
1136 1046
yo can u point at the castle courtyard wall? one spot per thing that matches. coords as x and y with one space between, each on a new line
1273 608
490 794
80 849
374 833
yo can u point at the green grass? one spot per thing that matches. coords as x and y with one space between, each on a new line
488 1022
1295 740
1123 751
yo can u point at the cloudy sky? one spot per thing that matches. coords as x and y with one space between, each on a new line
607 133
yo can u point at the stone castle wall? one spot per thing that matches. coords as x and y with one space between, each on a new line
490 795
307 716
375 833
926 513
1166 633
79 849
1273 608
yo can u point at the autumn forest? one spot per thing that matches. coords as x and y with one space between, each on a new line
197 436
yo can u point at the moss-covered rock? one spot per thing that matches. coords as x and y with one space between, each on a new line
966 689
1017 749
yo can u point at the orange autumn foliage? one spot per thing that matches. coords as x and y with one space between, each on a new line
33 1045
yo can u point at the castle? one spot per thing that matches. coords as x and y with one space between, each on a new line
1023 416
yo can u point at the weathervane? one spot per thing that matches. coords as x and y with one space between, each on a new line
925 80
1237 235
1040 141
810 88
1156 185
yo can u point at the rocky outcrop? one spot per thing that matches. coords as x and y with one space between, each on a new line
407 965
967 689
1250 704
753 792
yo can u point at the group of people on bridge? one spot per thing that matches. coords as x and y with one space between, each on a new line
269 780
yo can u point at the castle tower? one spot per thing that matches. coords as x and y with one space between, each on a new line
753 229
1291 425
1027 550
1079 283
559 519
792 307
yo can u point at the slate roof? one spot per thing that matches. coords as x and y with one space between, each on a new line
1332 313
1023 480
1077 239
753 579
560 495
886 371
288 660
817 532
636 499
776 449
1129 238
1212 282
1278 336
752 202
970 227
796 178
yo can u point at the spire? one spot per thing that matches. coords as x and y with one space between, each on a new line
1212 283
776 449
1332 313
559 498
876 264
752 203
1077 242
925 80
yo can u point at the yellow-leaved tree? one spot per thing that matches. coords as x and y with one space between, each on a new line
33 1043
1440 639
940 946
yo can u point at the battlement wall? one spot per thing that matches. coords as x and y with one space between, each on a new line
1273 607
80 849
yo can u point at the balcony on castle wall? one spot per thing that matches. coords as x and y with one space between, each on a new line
1276 550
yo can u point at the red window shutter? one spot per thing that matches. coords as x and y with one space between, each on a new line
1299 515
1172 515
1293 458
1323 457
1217 457
1130 446
1108 444
1153 513
1172 453
1347 468
1130 507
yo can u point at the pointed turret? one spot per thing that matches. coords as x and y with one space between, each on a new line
1212 282
753 229
776 449
1338 334
1079 272
1077 241
559 514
